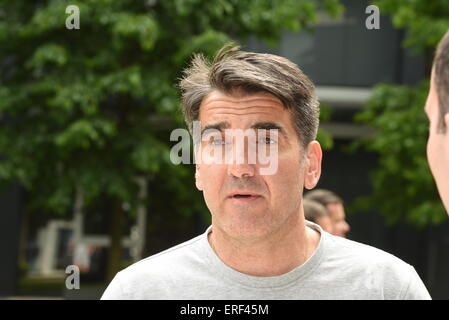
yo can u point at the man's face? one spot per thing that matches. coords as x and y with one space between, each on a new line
244 204
438 145
338 217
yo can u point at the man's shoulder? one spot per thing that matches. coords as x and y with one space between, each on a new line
369 272
168 258
155 276
364 254
369 262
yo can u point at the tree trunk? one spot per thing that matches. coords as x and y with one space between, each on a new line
141 217
115 234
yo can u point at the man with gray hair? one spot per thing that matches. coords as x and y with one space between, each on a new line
259 246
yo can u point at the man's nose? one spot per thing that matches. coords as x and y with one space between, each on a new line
241 170
240 163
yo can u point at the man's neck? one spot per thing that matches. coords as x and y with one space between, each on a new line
277 254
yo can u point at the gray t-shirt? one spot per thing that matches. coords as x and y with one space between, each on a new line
338 269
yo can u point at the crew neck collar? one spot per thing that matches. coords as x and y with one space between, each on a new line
230 274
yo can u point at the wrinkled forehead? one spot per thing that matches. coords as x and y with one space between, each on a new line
241 109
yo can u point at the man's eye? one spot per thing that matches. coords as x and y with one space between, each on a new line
266 140
217 142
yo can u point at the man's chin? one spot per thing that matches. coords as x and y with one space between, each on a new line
247 230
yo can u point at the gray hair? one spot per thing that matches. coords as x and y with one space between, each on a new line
249 72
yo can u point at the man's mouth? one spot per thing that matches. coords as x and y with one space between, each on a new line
244 196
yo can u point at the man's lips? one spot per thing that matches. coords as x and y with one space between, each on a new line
244 196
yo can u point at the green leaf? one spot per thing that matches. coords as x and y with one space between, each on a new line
403 187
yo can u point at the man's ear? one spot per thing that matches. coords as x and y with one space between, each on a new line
312 172
198 180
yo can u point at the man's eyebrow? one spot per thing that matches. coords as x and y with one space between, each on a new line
220 126
269 126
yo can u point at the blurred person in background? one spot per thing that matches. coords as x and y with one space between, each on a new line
317 213
334 205
437 111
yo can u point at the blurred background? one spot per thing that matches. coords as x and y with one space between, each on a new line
86 115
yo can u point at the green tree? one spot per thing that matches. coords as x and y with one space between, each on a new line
90 110
403 187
